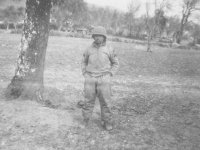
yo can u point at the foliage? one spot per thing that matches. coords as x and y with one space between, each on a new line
72 14
188 7
16 31
157 23
133 9
56 2
173 24
196 33
69 10
100 16
139 27
160 20
12 14
106 17
114 20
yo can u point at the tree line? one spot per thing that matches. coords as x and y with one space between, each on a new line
73 14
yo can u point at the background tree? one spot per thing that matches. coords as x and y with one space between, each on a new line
60 14
11 14
149 27
75 10
94 14
188 7
133 9
197 17
195 33
139 27
28 79
115 20
160 22
106 17
172 27
160 19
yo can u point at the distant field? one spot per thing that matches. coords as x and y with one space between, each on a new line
155 96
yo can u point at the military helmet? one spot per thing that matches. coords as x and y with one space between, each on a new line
99 30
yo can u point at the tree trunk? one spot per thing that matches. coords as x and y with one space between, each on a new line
7 27
15 26
149 40
184 21
27 82
179 34
194 41
130 30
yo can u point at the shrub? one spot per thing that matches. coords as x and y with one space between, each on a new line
198 40
53 26
109 31
117 39
57 33
80 35
2 26
16 31
126 41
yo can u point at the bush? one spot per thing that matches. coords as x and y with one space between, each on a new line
16 31
80 35
109 31
57 33
163 44
2 26
53 26
190 44
116 39
138 42
198 40
126 41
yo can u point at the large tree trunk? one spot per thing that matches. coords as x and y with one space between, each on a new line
27 82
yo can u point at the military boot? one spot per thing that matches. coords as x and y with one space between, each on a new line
107 126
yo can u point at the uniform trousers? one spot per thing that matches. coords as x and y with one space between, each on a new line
97 87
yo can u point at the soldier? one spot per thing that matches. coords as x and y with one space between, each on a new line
99 64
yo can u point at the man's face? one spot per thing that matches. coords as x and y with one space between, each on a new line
98 39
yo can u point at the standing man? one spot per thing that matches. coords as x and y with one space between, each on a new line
99 64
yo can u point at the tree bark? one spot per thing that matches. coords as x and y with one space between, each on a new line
27 82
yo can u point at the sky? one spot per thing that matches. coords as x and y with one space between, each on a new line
123 5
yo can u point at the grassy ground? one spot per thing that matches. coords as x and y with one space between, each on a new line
155 102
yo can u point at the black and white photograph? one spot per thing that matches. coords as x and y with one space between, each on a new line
99 74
